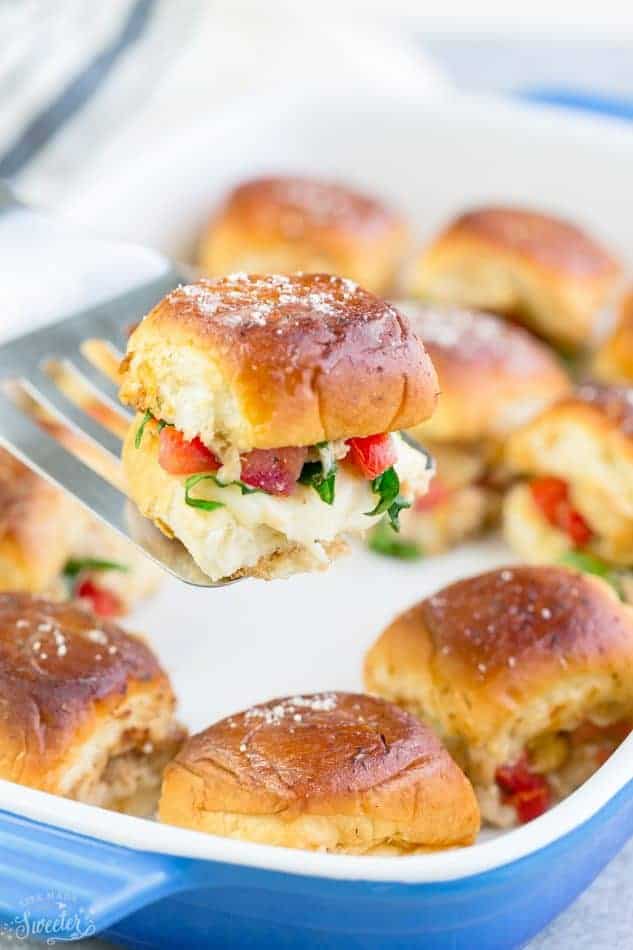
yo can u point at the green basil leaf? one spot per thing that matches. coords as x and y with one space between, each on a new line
393 511
75 566
203 503
387 486
243 487
138 438
383 541
323 484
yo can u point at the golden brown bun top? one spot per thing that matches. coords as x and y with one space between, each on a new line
57 659
319 746
548 241
293 207
492 374
510 619
307 357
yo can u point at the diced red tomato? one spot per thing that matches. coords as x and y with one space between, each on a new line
372 454
181 457
273 470
527 791
437 494
551 495
104 602
532 803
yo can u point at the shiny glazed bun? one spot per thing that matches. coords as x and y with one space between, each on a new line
273 361
536 268
87 711
285 225
506 664
331 771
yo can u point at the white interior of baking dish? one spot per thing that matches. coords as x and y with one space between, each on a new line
229 648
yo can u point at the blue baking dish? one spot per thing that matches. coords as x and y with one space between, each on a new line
69 870
196 890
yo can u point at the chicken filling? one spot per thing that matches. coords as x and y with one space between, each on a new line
551 767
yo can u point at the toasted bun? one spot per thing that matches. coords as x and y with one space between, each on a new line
585 439
493 376
284 225
331 771
495 660
266 362
613 363
79 695
536 268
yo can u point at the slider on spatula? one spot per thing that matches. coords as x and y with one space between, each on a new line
267 410
525 673
338 772
574 500
87 712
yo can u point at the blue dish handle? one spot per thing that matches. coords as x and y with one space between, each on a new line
51 878
584 101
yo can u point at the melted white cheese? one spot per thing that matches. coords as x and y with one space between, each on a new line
254 526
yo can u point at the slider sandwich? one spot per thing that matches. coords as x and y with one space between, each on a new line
533 268
50 544
493 376
525 674
338 772
266 418
87 712
574 500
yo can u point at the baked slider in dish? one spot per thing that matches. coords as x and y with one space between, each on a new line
284 225
493 376
338 772
50 544
87 711
613 362
266 407
533 268
575 502
526 674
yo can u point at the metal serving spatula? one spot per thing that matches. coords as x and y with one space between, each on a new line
31 393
